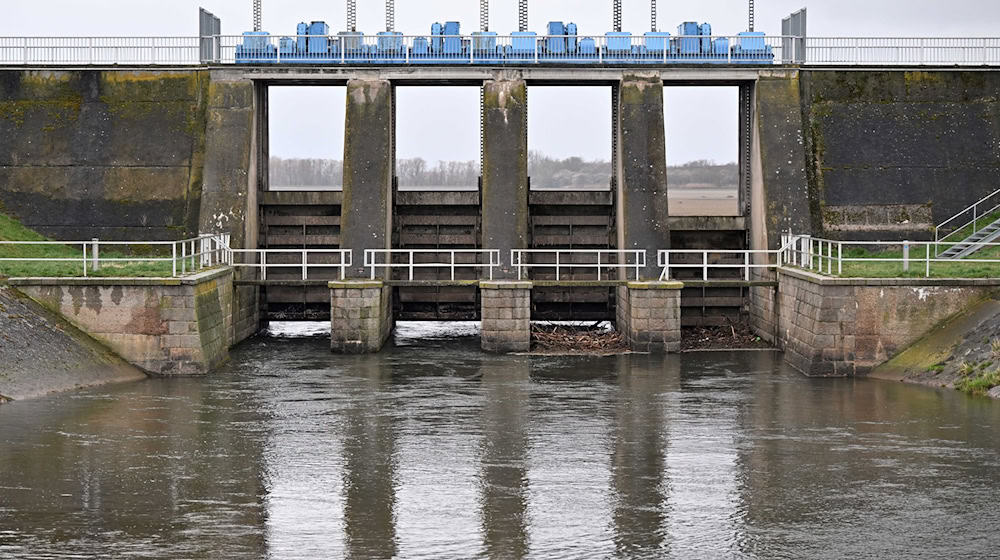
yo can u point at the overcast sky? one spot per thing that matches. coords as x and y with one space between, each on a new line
437 124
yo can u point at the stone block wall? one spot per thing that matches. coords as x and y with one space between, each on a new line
763 305
506 316
847 326
166 326
360 316
649 313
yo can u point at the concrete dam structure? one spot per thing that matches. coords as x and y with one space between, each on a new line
167 153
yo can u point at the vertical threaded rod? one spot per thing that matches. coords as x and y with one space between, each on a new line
390 15
617 17
352 16
652 15
256 15
522 15
484 15
751 16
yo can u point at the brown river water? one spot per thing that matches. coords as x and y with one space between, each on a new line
432 449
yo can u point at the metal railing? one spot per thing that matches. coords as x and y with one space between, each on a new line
668 260
978 213
504 49
601 260
412 259
186 255
829 257
293 264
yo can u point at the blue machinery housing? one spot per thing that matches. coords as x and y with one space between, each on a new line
445 45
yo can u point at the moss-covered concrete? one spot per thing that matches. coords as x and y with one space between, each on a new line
505 169
110 154
923 144
642 191
366 212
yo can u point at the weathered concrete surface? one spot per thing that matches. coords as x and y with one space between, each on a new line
642 190
847 326
781 193
360 316
506 316
892 153
936 360
649 314
164 326
42 353
109 154
229 194
366 212
505 170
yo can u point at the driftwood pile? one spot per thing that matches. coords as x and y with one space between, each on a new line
589 339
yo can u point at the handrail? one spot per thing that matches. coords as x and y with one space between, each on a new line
517 260
976 214
480 49
197 252
817 254
346 260
663 260
371 260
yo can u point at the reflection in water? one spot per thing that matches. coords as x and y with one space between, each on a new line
503 476
439 451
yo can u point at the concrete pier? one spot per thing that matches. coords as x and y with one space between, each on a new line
642 167
505 169
506 316
366 211
649 314
360 316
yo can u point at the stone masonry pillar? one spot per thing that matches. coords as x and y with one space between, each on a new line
506 314
360 316
649 313
505 170
642 169
366 212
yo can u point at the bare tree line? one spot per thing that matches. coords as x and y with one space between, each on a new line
545 172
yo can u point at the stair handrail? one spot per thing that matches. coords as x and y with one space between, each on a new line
976 214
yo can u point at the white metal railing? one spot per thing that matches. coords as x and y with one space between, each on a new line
293 264
974 215
828 257
412 259
100 50
667 260
503 49
603 261
186 255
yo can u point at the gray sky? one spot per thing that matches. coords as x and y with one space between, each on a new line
437 124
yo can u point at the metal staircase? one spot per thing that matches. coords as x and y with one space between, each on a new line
980 236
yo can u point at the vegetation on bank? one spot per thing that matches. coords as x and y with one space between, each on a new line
12 230
977 378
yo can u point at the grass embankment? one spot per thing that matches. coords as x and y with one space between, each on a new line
12 230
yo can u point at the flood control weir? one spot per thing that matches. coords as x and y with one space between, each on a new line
164 153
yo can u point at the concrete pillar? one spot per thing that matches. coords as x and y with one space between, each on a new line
506 315
360 316
649 313
505 170
366 212
642 169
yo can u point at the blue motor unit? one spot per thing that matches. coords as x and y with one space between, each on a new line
561 44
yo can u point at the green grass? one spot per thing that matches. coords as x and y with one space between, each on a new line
977 381
960 268
12 230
